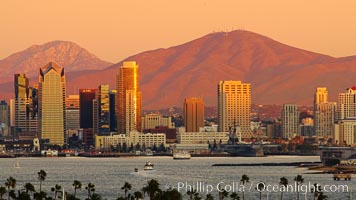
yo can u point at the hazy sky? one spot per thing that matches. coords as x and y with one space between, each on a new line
116 29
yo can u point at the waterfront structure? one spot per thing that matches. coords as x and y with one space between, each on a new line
290 121
193 114
324 113
103 110
171 133
346 104
234 107
151 121
128 98
184 137
26 108
52 96
149 140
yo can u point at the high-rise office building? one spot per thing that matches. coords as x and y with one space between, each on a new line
26 108
52 102
128 98
290 121
347 104
321 95
324 114
193 114
4 118
72 101
113 118
72 113
234 107
104 110
86 97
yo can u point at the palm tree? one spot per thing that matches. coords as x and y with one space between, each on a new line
10 183
298 179
197 196
90 188
56 189
77 185
152 188
127 186
40 195
191 194
283 182
222 194
23 196
2 192
29 187
41 177
12 194
138 195
260 187
235 196
96 196
209 197
244 179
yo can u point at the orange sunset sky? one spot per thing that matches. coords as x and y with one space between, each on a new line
116 29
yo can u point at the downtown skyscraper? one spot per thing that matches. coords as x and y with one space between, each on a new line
193 114
234 107
347 104
26 108
324 113
128 98
290 121
52 96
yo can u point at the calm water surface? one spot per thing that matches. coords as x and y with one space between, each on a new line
109 174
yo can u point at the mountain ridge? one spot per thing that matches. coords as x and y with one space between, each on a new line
278 73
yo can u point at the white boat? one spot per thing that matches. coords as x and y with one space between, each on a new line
148 166
181 155
49 153
17 164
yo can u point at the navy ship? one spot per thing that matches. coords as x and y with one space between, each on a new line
235 146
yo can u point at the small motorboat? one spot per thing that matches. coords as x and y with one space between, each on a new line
136 169
148 166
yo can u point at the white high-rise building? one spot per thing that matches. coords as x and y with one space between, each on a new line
290 121
347 104
234 107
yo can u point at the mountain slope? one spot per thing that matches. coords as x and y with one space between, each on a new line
67 54
278 73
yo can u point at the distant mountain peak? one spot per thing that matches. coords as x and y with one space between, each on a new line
67 54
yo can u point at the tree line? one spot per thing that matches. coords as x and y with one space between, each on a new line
151 190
